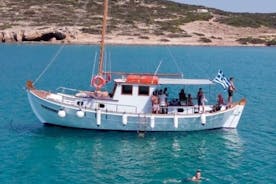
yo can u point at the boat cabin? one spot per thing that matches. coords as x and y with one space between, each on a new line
135 90
132 94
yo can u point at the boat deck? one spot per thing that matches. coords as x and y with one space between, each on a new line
41 93
77 101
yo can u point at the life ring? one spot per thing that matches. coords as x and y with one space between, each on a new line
98 82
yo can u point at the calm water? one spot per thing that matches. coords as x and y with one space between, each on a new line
33 153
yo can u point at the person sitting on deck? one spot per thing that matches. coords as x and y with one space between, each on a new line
174 102
220 100
182 97
220 103
190 100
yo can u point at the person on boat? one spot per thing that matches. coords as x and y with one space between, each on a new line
200 99
220 103
167 96
166 92
231 90
220 100
155 103
174 102
163 102
182 97
189 100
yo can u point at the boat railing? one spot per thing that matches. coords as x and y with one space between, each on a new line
182 109
188 109
113 107
67 96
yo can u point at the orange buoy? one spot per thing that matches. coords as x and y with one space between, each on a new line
98 82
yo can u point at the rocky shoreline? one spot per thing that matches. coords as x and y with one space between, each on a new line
131 23
68 35
46 35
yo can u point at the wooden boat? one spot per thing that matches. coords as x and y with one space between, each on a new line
129 107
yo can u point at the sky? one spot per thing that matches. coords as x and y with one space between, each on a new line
252 6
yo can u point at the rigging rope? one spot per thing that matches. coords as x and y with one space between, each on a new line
171 55
94 65
174 60
109 59
60 49
158 67
49 64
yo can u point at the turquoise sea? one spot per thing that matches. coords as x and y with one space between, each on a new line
34 153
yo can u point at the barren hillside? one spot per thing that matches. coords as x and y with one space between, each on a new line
132 22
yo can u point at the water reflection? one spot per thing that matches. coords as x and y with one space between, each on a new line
31 151
112 155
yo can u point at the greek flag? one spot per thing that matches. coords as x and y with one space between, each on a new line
222 80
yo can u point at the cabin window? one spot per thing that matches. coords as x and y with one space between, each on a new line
143 90
127 89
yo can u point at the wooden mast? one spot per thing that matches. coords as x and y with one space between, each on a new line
101 59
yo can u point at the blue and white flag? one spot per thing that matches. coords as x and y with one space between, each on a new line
222 80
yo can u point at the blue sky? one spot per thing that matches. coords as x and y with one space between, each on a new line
260 6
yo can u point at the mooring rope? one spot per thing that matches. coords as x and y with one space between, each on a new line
49 64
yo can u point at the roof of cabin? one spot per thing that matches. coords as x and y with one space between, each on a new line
174 81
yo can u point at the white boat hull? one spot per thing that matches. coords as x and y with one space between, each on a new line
47 111
129 106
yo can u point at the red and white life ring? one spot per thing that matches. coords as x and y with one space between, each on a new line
98 82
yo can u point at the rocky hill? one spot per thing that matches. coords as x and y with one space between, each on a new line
132 22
